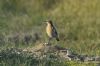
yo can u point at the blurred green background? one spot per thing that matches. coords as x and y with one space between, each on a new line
77 22
21 26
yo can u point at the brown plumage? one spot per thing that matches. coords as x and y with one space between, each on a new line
51 30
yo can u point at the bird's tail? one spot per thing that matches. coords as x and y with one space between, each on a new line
57 39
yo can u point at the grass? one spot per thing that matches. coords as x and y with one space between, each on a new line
15 57
77 23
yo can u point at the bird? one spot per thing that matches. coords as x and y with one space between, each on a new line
51 30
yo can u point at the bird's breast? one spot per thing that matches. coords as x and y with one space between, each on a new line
49 30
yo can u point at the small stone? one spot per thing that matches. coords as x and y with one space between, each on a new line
97 58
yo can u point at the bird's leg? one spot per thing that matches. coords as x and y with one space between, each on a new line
49 41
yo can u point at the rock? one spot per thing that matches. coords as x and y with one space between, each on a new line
45 50
97 58
88 59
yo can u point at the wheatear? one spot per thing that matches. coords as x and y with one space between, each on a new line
51 30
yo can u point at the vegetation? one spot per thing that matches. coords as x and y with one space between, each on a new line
77 22
18 57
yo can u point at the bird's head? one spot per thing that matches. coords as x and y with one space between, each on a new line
48 21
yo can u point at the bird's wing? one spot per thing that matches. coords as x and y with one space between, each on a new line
54 31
